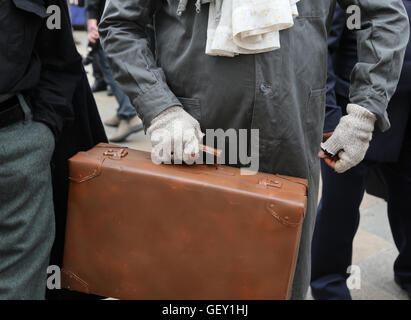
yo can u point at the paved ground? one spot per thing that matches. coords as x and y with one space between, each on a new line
374 250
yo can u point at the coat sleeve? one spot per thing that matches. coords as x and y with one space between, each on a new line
382 41
124 38
93 9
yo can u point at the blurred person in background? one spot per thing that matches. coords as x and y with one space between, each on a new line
279 90
99 83
389 154
125 119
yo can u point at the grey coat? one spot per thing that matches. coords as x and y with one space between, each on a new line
281 93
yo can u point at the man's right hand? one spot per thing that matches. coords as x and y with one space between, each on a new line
92 29
175 135
349 143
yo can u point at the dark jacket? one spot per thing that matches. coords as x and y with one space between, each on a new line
342 55
37 61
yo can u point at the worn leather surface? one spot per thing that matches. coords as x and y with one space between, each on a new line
136 230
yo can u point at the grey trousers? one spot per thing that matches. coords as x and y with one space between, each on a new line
26 209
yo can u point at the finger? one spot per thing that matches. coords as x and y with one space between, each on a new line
178 151
160 136
91 39
343 164
330 162
322 155
161 153
192 147
191 151
178 142
200 135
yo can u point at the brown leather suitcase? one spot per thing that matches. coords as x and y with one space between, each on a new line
136 230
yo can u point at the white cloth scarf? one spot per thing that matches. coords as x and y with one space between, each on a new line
248 26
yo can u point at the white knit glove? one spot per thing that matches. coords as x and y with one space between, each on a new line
351 138
175 135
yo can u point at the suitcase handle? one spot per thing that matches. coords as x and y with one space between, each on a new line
209 150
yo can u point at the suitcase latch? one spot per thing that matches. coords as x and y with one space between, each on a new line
271 183
116 154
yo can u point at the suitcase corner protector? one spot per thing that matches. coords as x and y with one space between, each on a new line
69 280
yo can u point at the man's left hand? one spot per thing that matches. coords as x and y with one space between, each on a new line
92 29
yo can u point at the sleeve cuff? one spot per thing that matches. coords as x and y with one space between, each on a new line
91 14
154 101
374 103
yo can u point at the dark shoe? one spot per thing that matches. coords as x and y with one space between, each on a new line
403 288
110 91
99 86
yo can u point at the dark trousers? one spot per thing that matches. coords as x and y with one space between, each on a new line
338 219
97 74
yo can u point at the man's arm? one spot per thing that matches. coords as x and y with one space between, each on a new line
93 9
125 41
382 41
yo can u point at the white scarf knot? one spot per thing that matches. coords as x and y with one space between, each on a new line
248 26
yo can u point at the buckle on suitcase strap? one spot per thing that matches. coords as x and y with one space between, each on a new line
116 154
271 183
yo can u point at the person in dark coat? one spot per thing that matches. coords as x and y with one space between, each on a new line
389 155
42 91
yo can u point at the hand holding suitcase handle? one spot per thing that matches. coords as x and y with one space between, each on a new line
176 137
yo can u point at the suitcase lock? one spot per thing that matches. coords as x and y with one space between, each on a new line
116 154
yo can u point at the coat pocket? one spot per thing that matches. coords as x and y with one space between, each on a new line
192 106
315 108
312 9
314 121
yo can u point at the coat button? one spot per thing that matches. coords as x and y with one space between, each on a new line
265 88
